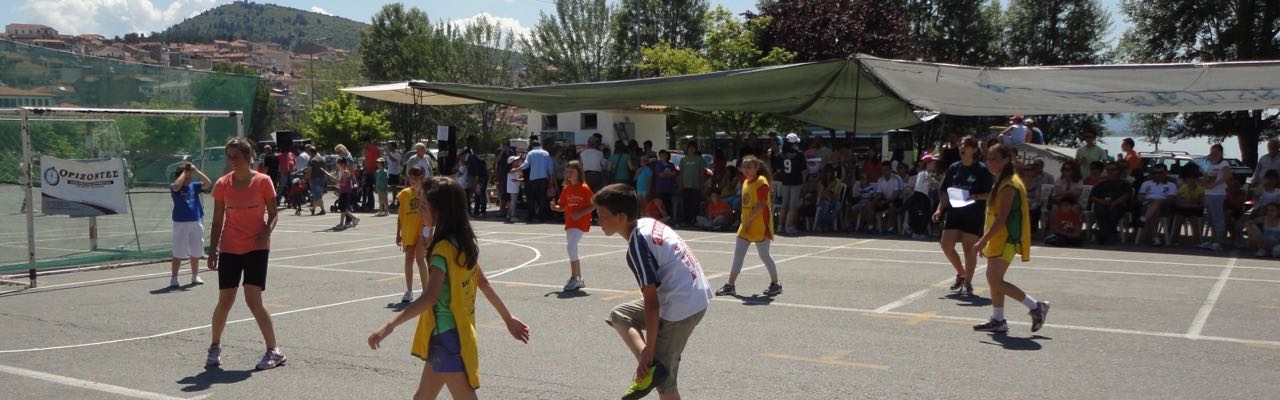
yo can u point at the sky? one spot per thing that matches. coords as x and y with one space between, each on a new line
118 17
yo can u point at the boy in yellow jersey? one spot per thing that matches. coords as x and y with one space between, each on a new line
408 226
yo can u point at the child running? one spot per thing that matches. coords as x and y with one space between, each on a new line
575 203
408 224
1008 233
188 232
756 227
446 334
675 292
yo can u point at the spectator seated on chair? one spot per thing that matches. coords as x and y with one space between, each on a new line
1066 224
719 214
1188 204
885 199
1110 202
829 200
1156 195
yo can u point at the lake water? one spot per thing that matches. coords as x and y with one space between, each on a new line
1195 146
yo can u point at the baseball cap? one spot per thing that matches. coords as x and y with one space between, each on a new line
929 157
793 138
1016 118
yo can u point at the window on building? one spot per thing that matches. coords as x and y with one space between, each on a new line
588 121
550 122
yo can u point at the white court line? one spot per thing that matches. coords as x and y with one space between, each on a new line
91 385
1268 343
1202 317
828 249
917 295
72 346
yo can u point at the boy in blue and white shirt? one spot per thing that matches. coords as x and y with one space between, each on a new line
188 232
675 291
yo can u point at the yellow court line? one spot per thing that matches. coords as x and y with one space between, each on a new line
826 361
907 318
924 316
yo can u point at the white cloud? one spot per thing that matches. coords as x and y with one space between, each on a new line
508 23
112 17
317 9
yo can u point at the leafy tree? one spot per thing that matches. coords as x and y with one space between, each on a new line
819 30
1199 31
730 44
639 24
573 45
340 120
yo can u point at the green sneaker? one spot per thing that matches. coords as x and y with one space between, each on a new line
657 374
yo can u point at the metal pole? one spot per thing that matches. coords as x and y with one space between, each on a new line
857 99
239 125
203 121
93 153
31 207
132 215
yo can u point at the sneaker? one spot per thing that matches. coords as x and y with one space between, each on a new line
726 290
657 374
408 296
195 280
966 289
1157 242
173 282
354 222
273 358
992 325
215 356
321 213
1038 315
574 284
773 290
958 284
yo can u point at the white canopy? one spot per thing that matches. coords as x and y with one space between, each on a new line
403 93
1137 88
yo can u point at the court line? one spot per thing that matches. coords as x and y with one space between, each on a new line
1202 317
860 311
91 385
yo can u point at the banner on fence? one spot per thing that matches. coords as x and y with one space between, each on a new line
82 188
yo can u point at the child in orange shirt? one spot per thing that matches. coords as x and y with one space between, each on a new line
719 213
575 203
655 209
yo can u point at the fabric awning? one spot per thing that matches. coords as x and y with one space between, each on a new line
403 93
1123 88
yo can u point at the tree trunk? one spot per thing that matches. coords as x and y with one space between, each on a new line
1249 135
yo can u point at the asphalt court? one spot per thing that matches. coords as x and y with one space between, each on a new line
861 317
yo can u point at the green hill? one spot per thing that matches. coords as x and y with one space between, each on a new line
290 27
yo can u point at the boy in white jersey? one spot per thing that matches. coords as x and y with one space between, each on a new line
675 292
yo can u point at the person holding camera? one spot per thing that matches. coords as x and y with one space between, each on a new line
188 232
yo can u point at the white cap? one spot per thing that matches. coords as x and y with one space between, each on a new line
512 159
793 138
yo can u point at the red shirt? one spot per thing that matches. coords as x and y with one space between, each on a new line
371 154
652 210
575 198
717 208
246 209
1070 222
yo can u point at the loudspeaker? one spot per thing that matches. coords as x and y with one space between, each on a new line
446 141
284 140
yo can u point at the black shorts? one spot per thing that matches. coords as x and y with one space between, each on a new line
966 221
252 266
345 201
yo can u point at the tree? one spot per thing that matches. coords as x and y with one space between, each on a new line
572 45
730 44
1198 31
399 45
340 120
819 30
1054 32
640 24
955 31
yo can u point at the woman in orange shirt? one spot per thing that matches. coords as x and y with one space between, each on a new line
575 203
238 247
1131 159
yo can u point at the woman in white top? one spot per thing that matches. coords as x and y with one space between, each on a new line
1215 196
1068 184
919 204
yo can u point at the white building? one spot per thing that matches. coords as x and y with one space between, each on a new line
647 123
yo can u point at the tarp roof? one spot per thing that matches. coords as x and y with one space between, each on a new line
873 94
1121 88
822 93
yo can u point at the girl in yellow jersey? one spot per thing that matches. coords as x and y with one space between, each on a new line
1008 233
756 227
446 332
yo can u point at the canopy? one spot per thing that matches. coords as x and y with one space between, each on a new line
1088 89
834 94
873 94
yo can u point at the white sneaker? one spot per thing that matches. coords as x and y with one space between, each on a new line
173 282
195 280
574 284
215 357
408 296
273 358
